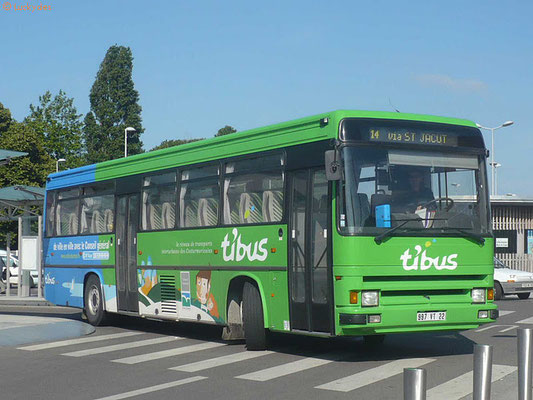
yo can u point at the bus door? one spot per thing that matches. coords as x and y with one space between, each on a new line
126 265
309 273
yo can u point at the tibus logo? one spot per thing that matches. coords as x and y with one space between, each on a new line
238 250
425 262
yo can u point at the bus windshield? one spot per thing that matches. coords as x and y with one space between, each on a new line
422 193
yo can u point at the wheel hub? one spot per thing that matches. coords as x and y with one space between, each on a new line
94 300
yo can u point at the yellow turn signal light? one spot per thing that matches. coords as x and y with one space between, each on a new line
490 294
353 297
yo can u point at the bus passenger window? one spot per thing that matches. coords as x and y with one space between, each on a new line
159 202
253 198
50 213
93 214
199 197
67 218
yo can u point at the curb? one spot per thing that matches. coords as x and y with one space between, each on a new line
24 301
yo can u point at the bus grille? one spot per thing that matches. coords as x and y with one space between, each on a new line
168 294
435 289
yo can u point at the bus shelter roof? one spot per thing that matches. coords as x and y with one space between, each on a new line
7 155
16 201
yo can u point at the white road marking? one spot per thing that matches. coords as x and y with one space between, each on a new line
219 361
486 328
525 321
168 353
508 329
154 388
461 386
70 342
374 375
287 369
505 312
121 346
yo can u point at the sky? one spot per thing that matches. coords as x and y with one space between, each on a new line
201 65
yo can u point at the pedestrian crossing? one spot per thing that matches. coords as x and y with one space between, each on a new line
356 381
256 367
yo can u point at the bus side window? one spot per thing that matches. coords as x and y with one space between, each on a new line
50 213
93 214
253 198
199 197
159 202
67 217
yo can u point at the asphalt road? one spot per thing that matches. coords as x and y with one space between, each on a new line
135 358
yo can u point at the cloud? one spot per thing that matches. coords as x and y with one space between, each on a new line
448 82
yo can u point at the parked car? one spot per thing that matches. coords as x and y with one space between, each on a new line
13 271
511 281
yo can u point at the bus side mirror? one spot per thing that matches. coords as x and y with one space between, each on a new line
333 165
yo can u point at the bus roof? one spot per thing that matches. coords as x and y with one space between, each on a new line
303 130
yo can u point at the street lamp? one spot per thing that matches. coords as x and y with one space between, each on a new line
507 123
128 129
456 186
495 165
57 163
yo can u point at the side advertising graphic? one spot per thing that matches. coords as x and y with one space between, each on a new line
183 275
82 250
64 285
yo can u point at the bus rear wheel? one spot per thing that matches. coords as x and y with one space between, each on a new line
93 304
523 296
253 320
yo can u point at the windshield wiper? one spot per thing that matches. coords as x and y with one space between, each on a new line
379 239
476 237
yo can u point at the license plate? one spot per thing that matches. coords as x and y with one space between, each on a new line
527 284
431 316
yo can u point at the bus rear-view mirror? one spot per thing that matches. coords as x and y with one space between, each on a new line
333 165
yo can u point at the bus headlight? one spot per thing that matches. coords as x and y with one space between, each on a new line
369 298
478 295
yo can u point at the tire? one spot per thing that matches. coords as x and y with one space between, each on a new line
253 320
373 340
523 296
93 301
498 291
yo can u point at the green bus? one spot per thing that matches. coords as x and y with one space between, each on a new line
348 223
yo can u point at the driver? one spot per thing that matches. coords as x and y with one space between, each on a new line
415 194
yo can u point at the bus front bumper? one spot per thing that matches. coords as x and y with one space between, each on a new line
398 319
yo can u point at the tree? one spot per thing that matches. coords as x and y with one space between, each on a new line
5 118
114 107
27 170
59 122
226 131
173 142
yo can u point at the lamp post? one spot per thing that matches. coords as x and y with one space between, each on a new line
507 123
57 163
128 129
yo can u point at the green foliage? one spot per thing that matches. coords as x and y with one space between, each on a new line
173 142
226 131
59 122
5 118
114 107
28 170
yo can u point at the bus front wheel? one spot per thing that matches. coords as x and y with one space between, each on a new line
252 314
94 307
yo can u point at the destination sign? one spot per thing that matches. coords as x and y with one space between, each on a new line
416 133
391 135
